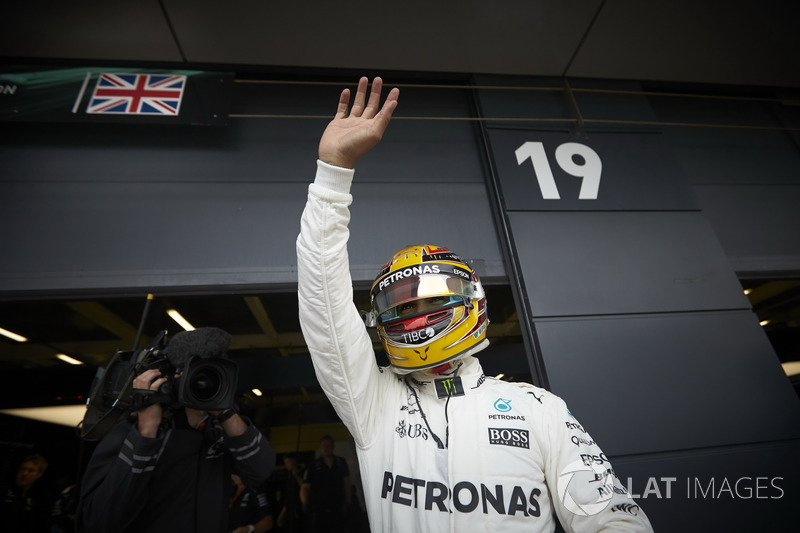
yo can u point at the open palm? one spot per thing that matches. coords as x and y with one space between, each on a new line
351 135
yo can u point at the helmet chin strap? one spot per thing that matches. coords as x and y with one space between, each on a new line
444 367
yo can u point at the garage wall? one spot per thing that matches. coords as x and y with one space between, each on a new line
120 206
630 297
635 313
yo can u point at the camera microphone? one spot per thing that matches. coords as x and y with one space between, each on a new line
201 342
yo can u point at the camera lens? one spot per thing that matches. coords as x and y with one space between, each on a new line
205 384
208 383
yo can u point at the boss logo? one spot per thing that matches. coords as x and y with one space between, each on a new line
517 438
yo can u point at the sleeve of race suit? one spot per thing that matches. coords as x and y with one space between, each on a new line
587 495
340 347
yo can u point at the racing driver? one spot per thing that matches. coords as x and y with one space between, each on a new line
441 446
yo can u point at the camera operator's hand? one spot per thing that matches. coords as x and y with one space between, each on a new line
149 418
232 425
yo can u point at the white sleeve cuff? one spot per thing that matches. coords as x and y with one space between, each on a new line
334 178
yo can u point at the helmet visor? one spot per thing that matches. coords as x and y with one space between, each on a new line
451 290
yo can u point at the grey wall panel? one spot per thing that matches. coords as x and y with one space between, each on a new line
287 98
740 488
609 263
669 382
115 206
757 226
547 102
92 235
744 111
731 156
418 146
423 151
387 217
633 171
521 99
103 235
612 101
248 149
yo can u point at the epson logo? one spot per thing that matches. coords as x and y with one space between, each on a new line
458 272
590 460
517 438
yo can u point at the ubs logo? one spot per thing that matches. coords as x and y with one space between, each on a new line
412 431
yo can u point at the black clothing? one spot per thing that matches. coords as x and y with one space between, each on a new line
178 481
327 496
250 507
62 512
20 513
289 519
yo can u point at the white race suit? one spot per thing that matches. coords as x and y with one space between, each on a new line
457 452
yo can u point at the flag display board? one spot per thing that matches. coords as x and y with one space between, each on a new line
137 94
123 95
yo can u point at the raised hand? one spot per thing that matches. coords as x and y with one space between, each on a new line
351 135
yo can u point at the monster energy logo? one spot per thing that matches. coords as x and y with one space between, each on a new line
449 387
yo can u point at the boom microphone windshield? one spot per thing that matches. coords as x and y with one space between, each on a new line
202 343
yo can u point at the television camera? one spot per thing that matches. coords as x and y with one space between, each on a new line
197 377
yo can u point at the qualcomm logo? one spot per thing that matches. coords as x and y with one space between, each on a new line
502 405
586 490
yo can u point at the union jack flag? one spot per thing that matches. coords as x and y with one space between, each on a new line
137 94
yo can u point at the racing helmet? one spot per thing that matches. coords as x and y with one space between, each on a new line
429 308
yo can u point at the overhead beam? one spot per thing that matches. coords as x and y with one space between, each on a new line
104 318
256 307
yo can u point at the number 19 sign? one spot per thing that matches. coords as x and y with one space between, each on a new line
589 170
608 171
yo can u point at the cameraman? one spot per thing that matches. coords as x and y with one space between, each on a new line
168 467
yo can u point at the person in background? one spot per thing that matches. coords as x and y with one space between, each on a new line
167 468
65 503
289 519
249 509
24 507
326 489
